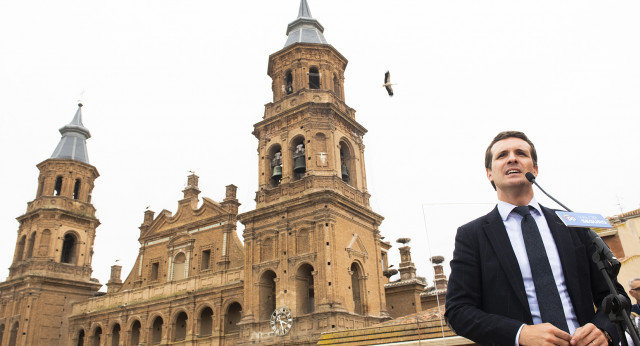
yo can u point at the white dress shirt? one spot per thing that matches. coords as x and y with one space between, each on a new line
512 222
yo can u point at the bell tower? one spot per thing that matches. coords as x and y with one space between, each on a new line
312 245
52 261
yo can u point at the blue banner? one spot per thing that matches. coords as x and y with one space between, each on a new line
583 220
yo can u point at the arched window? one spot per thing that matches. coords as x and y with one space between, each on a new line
81 337
179 266
275 165
97 335
232 317
13 338
44 243
347 164
314 78
288 82
267 294
206 321
180 329
31 243
305 295
135 333
356 288
58 187
20 248
68 249
76 189
115 335
156 331
299 158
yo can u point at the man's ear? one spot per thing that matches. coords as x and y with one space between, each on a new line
535 171
489 174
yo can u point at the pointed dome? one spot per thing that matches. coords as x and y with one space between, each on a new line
73 144
304 29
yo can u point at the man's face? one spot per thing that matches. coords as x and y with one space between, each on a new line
511 161
635 290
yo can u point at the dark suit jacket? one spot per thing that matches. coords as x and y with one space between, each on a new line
486 300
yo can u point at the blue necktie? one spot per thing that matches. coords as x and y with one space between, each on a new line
546 290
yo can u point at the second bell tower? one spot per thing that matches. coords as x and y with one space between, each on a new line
313 244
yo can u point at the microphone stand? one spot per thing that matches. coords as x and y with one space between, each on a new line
615 305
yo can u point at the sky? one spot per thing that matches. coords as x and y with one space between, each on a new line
170 87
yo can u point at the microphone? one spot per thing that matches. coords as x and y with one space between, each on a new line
532 179
598 242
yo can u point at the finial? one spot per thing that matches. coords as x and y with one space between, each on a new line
80 104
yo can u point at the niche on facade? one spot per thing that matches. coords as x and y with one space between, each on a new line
303 244
267 294
336 85
135 333
232 317
45 237
180 327
267 249
205 321
31 244
115 335
320 145
20 248
156 331
357 288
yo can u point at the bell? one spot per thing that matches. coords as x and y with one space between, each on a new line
277 172
345 173
299 165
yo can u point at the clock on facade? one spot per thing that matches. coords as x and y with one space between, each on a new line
281 321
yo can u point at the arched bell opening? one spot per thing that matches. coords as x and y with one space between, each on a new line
57 189
31 244
314 78
69 249
347 164
274 159
299 157
76 189
20 248
80 338
288 82
336 86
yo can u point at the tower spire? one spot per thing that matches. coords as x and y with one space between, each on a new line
73 144
305 28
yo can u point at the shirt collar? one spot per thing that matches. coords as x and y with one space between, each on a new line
506 208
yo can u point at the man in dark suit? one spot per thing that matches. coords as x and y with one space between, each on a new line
497 293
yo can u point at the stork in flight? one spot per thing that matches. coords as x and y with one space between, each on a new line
387 83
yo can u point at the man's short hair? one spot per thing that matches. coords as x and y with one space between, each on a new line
488 156
631 282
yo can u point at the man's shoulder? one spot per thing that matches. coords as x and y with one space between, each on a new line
477 223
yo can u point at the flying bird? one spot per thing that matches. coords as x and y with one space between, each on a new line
387 83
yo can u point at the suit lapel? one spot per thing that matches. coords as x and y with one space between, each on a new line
497 234
566 251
